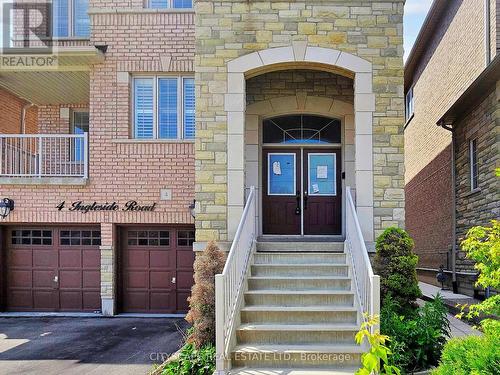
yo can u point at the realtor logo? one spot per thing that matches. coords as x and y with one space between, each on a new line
27 42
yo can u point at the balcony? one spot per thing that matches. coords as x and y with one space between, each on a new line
58 159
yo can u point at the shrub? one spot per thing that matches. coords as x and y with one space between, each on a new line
202 301
396 264
418 339
193 361
472 354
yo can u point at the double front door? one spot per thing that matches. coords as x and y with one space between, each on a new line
302 191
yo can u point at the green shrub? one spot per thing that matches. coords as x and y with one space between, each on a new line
476 355
202 301
396 264
418 339
193 361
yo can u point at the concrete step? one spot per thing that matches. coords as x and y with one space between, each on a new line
294 334
287 298
326 356
299 270
291 371
299 283
299 315
301 247
299 258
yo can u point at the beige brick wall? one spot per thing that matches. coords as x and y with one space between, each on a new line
229 29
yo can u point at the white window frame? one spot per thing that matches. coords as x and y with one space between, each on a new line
72 118
180 105
473 169
71 23
409 104
169 5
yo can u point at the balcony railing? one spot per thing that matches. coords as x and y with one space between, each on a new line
44 155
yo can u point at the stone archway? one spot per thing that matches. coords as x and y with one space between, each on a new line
297 56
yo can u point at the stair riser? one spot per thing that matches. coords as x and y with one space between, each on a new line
261 270
266 258
299 300
298 317
293 337
295 284
296 360
301 247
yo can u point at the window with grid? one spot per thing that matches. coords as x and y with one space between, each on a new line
165 4
70 18
80 238
148 238
31 237
185 238
473 162
164 107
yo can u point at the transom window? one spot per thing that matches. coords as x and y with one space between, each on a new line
80 237
31 237
185 238
302 129
158 4
148 238
164 107
70 18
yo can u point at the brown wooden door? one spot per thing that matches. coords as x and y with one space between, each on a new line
53 269
281 197
322 192
157 273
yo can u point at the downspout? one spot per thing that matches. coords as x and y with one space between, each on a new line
23 117
454 209
487 32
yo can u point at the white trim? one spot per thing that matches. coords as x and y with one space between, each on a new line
334 173
169 5
269 169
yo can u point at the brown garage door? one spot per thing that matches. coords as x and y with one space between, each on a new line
157 269
53 269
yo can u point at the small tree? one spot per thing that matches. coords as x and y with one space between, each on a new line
396 264
202 301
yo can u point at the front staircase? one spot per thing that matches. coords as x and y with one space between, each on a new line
293 308
299 312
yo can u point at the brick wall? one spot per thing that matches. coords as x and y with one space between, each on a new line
10 115
483 205
449 65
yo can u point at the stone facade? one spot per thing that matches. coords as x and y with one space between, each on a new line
228 30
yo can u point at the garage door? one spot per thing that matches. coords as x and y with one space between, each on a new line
157 269
53 269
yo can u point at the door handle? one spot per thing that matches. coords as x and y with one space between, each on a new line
56 279
297 210
306 196
174 280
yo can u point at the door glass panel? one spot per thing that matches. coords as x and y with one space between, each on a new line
322 174
281 170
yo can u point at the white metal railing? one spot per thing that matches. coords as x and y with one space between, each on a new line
367 284
229 284
44 155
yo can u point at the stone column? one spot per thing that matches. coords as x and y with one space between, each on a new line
108 269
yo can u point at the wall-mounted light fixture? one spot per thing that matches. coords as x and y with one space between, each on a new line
192 209
6 206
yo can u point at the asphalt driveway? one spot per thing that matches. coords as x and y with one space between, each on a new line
86 345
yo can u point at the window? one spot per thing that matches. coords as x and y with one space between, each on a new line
80 238
302 129
185 238
409 104
186 4
70 18
32 237
79 125
474 173
164 107
148 238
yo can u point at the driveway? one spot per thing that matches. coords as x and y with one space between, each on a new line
87 345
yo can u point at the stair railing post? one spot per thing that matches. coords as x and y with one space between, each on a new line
220 342
375 298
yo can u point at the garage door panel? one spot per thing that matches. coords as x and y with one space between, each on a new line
20 299
163 301
185 259
138 279
70 258
46 300
70 279
182 301
91 300
91 258
136 301
20 258
161 279
162 259
71 300
44 258
20 278
91 279
184 279
137 259
43 278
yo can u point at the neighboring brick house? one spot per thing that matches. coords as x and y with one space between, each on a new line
452 93
280 88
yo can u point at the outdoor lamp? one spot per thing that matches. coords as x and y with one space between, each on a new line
6 205
192 209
